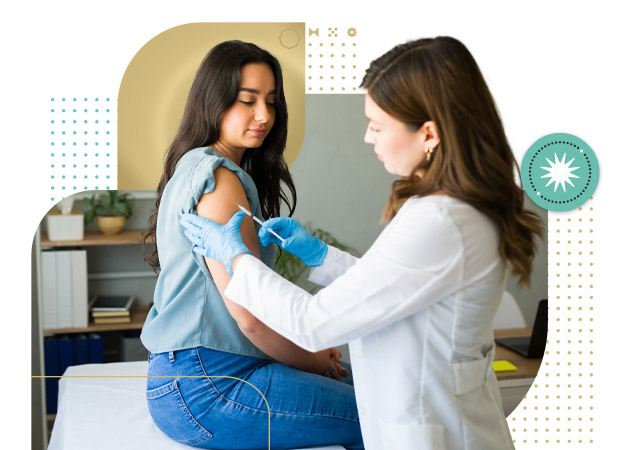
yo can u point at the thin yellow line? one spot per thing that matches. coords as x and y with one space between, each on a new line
168 376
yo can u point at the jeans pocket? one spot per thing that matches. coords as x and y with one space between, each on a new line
172 416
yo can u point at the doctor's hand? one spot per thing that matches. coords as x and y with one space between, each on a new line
215 241
297 240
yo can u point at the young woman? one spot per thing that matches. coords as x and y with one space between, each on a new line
417 308
214 369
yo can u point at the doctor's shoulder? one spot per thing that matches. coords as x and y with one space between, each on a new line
424 223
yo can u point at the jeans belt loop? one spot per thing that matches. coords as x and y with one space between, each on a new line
171 356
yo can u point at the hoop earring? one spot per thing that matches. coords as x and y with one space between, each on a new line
428 152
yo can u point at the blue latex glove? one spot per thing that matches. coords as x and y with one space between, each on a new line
215 241
297 240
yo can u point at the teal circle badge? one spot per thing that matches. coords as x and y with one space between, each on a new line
559 172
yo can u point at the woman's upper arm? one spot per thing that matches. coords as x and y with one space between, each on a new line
219 206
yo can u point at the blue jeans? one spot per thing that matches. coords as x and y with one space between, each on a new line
192 407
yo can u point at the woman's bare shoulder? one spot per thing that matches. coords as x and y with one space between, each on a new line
221 204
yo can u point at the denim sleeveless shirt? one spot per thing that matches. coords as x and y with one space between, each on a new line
188 310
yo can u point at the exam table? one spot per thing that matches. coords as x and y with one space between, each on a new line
103 407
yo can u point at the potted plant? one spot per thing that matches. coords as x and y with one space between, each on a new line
111 211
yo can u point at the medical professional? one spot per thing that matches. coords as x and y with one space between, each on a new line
417 308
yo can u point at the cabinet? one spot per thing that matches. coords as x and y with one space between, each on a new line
115 266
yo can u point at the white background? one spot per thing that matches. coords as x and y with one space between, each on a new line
555 66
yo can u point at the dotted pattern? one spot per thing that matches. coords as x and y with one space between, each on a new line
559 408
332 55
588 182
82 145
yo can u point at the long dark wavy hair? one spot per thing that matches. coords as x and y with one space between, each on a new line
438 80
214 91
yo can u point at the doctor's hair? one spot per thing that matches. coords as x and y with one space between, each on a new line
214 91
437 79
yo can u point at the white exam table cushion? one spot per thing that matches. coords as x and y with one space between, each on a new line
109 411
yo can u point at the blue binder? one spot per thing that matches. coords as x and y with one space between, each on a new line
81 349
51 368
96 350
66 353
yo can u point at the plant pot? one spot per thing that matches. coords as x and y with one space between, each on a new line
110 225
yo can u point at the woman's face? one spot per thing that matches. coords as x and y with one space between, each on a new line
400 150
248 121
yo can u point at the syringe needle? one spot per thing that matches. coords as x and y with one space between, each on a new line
246 211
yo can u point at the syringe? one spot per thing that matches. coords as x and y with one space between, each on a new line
246 211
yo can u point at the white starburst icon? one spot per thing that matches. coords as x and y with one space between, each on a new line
560 172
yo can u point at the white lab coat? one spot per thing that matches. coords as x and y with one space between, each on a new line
417 309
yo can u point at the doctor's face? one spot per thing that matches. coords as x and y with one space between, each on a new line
400 149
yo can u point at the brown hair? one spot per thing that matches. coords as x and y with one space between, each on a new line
214 90
438 80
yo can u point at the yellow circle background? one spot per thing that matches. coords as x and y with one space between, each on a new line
155 87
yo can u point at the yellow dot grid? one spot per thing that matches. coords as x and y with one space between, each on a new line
82 145
559 407
332 55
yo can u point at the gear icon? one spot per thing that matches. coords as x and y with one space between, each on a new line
352 32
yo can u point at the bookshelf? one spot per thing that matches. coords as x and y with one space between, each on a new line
138 315
93 238
113 270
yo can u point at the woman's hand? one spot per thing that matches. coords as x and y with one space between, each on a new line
335 356
297 240
328 364
215 241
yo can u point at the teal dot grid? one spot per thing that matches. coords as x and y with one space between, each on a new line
94 120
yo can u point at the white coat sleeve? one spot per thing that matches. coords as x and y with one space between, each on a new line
335 264
415 262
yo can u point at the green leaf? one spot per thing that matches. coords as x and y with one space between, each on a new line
123 208
88 216
105 199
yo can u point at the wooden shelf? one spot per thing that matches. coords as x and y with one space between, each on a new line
93 238
138 316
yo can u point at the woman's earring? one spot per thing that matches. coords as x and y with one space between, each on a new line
428 152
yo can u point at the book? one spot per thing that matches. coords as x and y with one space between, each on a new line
51 369
123 319
96 350
81 349
110 314
111 303
49 290
64 288
66 353
79 289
